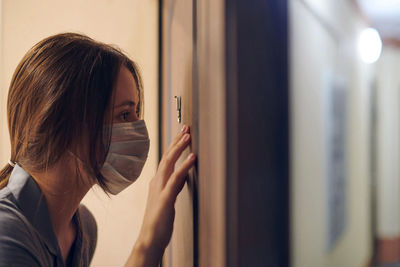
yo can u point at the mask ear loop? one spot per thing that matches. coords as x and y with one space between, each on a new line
81 162
76 157
12 164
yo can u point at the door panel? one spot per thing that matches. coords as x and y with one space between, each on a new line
177 61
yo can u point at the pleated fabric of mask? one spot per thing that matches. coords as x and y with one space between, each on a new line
127 155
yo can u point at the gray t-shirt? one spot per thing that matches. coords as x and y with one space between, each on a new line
27 236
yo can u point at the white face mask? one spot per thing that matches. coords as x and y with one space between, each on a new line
128 152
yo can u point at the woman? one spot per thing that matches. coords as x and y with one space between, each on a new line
75 109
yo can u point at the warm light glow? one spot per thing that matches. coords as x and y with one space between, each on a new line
369 45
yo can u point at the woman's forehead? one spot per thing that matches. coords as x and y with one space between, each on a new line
126 88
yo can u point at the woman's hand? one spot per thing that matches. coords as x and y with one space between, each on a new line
158 221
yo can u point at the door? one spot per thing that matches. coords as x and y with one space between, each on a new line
177 110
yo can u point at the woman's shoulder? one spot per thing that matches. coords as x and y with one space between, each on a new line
11 216
18 239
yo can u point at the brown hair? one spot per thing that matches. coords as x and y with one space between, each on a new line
62 88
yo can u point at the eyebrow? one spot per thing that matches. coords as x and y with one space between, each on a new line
126 103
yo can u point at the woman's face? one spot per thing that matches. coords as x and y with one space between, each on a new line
126 98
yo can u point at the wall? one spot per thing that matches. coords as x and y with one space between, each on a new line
387 155
130 24
388 82
323 42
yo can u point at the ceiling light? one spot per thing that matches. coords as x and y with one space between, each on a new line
369 45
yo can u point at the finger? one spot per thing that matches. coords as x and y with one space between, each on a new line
168 162
178 178
185 129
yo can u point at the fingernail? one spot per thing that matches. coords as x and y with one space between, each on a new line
192 156
184 128
186 137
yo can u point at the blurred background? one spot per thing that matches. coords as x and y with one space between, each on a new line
345 177
344 84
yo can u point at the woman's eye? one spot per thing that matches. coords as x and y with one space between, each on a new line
124 116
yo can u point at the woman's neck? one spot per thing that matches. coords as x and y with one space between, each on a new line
63 190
